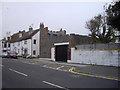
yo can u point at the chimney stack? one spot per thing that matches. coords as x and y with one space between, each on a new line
30 28
41 25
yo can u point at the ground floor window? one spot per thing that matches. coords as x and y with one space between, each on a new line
18 50
9 45
34 52
5 45
4 50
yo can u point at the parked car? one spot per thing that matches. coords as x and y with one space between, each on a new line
12 54
4 55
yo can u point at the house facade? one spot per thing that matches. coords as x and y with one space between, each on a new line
24 43
27 43
5 44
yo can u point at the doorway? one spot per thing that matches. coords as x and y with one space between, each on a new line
61 53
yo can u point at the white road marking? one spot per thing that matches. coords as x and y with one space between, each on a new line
18 72
44 65
54 85
76 76
60 67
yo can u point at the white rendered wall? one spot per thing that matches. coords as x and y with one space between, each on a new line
36 46
15 47
27 46
53 54
97 57
20 46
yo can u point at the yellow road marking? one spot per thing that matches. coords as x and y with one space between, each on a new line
71 70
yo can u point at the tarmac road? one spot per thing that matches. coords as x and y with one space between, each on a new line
16 74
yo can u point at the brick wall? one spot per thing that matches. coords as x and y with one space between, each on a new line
47 41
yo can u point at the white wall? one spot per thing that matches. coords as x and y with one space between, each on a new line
53 54
15 46
36 46
27 46
98 57
5 48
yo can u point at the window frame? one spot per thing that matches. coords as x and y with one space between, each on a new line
34 52
34 41
25 41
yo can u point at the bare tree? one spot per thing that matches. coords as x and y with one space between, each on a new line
99 31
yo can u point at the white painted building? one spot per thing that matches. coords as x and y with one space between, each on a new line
5 45
24 43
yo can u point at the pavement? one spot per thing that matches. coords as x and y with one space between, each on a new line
107 72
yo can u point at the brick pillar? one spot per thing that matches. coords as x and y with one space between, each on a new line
72 40
46 32
71 44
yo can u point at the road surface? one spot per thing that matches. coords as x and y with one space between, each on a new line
16 74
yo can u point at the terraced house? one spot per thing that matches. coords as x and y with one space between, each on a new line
24 43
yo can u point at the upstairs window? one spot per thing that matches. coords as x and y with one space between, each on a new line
18 50
8 44
13 44
25 42
20 34
18 43
34 41
5 45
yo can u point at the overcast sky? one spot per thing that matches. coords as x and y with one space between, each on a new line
70 16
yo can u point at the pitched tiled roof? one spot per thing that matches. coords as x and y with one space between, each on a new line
25 35
4 40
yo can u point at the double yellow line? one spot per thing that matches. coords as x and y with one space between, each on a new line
72 71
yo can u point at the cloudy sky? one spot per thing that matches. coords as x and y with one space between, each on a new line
70 16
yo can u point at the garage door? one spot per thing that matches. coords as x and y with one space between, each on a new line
61 53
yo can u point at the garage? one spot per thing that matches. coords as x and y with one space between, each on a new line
61 52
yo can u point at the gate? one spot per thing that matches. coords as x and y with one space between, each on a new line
61 53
